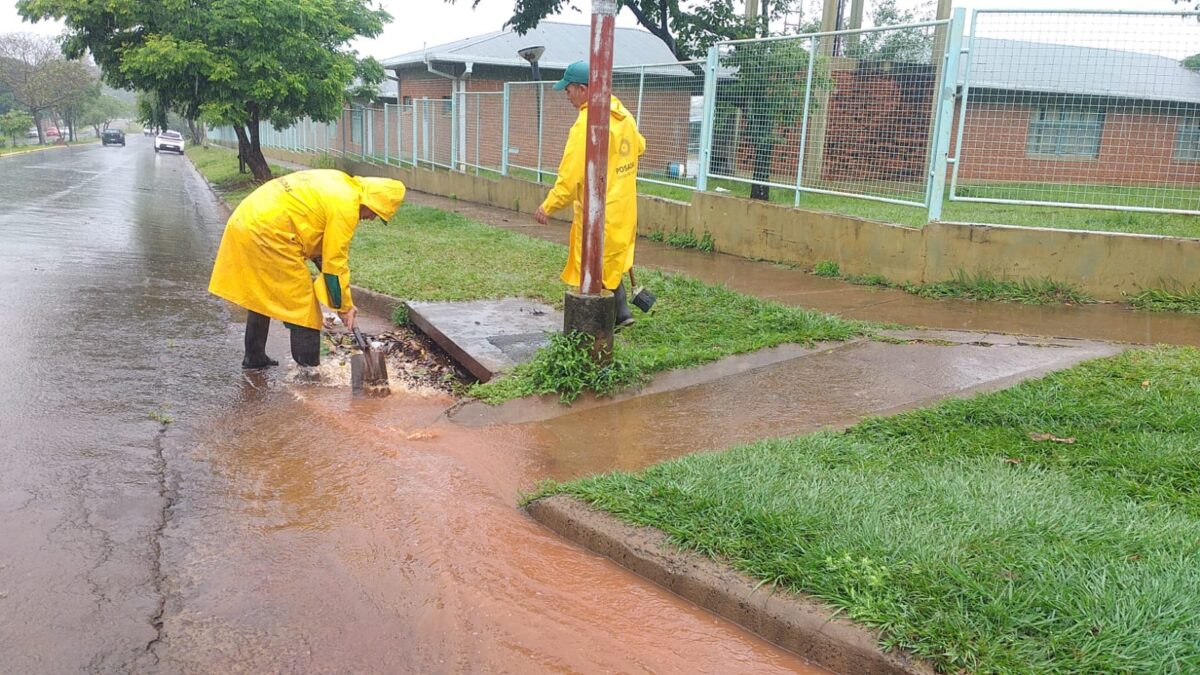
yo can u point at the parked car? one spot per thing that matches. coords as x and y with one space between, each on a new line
169 140
112 137
52 132
32 133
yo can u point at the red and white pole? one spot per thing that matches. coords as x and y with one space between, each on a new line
595 182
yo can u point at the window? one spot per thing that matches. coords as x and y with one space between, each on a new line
407 100
356 125
447 105
1065 132
1187 139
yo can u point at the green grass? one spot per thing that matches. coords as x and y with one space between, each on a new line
566 368
428 254
219 165
1043 291
1176 299
1175 225
704 243
959 537
965 286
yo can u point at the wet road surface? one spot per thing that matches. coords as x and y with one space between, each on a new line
160 512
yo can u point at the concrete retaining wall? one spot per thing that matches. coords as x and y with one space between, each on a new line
1103 264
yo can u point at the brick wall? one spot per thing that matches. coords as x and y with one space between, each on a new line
878 125
1136 148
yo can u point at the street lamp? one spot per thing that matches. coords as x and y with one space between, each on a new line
532 54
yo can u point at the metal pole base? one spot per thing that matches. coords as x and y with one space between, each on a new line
593 315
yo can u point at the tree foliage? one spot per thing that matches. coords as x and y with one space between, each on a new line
102 111
235 62
14 123
909 44
39 78
1192 63
687 28
768 88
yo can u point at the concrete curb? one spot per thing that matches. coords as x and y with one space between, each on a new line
791 621
374 302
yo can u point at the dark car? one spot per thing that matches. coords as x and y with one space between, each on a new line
113 137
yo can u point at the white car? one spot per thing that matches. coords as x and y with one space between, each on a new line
169 140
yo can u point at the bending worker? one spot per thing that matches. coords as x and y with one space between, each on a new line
625 146
262 262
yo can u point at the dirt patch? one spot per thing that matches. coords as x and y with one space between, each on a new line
791 621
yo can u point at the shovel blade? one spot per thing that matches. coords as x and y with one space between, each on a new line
643 299
368 374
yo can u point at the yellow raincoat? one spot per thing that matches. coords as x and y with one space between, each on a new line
301 216
625 146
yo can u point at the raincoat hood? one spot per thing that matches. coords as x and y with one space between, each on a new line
381 195
616 109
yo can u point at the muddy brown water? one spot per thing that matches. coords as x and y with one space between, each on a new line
161 512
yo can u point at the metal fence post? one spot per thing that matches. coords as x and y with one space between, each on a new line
425 136
641 89
541 104
368 136
708 118
808 80
399 134
962 106
504 132
387 138
945 112
454 164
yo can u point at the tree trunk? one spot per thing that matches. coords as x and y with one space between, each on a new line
196 129
764 148
250 151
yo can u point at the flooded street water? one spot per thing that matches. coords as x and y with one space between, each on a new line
161 512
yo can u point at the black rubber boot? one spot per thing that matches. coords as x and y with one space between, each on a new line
257 327
624 317
306 345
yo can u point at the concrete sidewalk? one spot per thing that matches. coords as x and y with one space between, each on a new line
796 287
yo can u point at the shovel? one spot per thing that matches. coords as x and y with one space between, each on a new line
642 298
368 370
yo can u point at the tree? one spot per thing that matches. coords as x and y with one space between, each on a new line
102 111
236 62
910 44
687 28
38 76
1192 63
14 123
82 96
768 86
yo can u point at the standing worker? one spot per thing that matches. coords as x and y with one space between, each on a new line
262 262
625 146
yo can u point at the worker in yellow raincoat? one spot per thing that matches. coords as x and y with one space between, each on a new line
625 146
261 265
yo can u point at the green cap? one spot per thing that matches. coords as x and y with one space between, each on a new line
577 73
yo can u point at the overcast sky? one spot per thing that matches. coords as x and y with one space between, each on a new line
437 22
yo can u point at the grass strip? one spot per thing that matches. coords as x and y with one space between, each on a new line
961 537
433 255
965 286
1176 299
219 166
34 147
